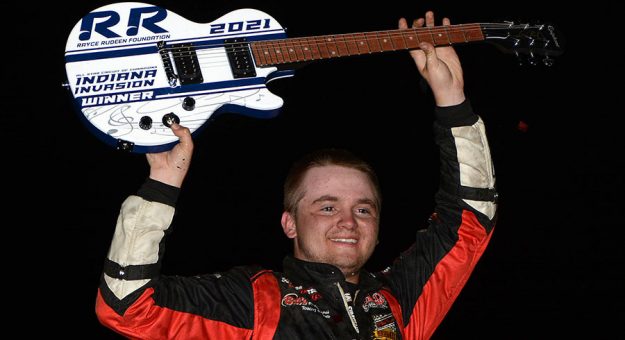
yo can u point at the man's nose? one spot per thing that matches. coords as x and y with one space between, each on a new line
347 219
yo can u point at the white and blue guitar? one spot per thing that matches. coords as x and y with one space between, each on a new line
133 68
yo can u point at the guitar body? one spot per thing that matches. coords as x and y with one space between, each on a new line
131 65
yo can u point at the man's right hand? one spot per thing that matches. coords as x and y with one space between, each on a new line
171 167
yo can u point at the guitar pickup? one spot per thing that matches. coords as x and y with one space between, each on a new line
185 67
240 58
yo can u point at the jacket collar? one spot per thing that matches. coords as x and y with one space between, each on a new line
305 272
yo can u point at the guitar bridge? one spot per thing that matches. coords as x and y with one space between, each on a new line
240 58
185 67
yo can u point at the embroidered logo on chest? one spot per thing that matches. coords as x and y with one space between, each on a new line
385 327
375 300
305 298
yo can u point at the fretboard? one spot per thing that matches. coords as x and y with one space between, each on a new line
292 50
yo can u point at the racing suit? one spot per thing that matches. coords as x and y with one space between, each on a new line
407 300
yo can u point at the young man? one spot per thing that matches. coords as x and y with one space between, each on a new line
331 211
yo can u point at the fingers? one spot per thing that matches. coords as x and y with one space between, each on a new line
427 48
431 59
429 19
418 23
427 57
182 132
402 24
179 130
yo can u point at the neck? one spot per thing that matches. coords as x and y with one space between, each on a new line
352 277
292 50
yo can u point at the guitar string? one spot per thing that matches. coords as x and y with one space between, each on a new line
352 37
206 54
394 33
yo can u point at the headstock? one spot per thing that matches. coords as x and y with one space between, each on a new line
531 43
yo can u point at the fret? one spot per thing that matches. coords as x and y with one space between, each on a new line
306 49
474 33
456 36
410 38
385 42
361 42
331 45
440 37
297 46
276 49
289 44
257 56
397 38
341 45
373 42
323 50
314 47
423 34
351 43
284 51
272 53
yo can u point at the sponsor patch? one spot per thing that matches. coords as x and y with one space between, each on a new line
375 300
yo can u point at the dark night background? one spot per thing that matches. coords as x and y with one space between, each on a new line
554 267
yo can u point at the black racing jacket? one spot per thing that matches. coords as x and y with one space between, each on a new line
306 300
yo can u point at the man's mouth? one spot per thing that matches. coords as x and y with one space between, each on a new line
345 240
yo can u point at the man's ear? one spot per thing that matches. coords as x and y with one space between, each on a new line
288 225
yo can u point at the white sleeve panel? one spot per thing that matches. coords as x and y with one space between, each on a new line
476 167
140 228
122 288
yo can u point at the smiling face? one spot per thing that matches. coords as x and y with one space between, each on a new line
336 219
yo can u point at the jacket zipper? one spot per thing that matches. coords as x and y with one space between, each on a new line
348 308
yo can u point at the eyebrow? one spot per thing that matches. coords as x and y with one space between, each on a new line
325 198
330 198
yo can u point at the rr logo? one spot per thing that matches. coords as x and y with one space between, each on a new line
107 19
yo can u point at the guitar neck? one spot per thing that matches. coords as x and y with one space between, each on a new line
293 50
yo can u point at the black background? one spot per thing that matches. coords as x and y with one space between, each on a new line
555 263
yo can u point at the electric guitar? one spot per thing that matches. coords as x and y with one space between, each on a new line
133 68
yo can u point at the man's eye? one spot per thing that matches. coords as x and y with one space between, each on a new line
328 209
363 211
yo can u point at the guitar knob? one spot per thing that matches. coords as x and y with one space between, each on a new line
170 118
548 61
188 104
145 123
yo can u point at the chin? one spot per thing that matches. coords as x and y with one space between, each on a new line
351 266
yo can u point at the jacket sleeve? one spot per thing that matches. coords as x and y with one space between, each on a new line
427 278
139 303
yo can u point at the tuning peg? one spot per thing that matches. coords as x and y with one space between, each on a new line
519 58
547 61
531 59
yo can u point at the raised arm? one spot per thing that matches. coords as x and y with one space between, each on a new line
428 277
135 300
